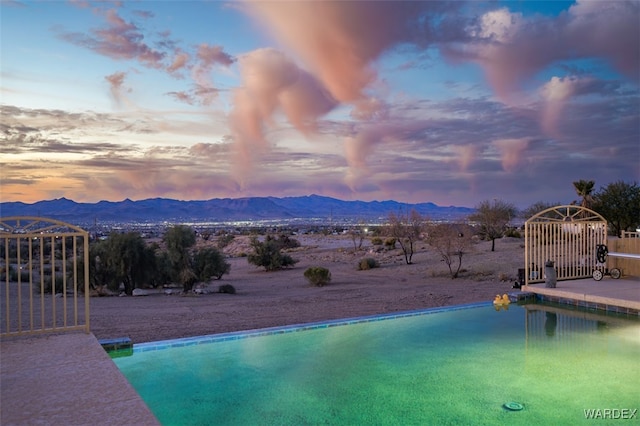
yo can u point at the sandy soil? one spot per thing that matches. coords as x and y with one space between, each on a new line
266 299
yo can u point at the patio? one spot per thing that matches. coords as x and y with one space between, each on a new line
621 295
65 379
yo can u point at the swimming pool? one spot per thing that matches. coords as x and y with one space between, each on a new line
457 365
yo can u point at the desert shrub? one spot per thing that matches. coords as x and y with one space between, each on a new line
367 263
481 274
268 255
14 274
376 241
225 240
227 288
287 243
513 233
390 243
59 283
318 276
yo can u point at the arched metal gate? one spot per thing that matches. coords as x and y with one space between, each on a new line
567 235
44 269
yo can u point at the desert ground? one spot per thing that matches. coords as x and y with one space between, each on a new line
284 297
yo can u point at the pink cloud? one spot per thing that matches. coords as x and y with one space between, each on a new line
208 57
271 82
123 40
180 61
465 155
208 150
118 40
339 40
556 93
370 109
512 48
212 55
511 152
304 101
116 81
359 147
182 97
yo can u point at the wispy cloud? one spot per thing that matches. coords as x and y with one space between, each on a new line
118 39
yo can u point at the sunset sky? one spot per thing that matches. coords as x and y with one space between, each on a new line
445 102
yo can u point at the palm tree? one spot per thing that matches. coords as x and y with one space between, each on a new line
584 189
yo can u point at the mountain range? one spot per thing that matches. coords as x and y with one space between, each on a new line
312 208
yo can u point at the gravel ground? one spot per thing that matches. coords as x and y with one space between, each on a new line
266 299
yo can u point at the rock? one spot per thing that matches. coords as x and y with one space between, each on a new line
139 292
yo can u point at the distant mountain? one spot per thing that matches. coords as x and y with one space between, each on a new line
312 208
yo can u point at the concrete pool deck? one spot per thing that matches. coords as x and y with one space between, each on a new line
68 379
621 295
65 379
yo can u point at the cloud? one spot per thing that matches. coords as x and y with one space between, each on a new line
208 57
209 150
608 30
116 81
511 152
271 82
119 39
182 96
366 139
465 155
180 61
371 108
338 41
213 55
36 143
325 82
556 93
511 48
146 14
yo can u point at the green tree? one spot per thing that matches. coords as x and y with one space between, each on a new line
619 203
493 217
209 263
406 229
179 239
268 254
584 189
123 259
163 272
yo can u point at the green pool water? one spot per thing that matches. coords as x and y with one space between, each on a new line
458 366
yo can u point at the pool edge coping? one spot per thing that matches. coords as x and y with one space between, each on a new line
246 334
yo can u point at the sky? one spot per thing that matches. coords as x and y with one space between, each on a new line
446 102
